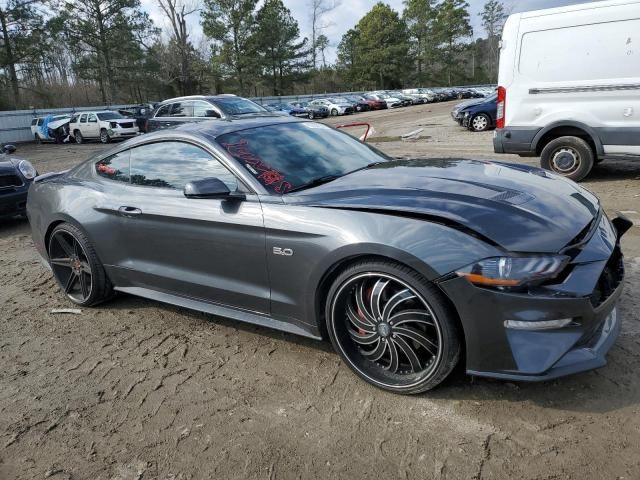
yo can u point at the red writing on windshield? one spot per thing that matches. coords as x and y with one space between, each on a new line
266 175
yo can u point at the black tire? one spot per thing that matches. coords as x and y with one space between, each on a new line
77 259
480 123
334 112
104 136
311 115
358 337
38 140
78 137
571 157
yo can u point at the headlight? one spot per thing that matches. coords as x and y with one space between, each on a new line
113 124
513 271
27 170
466 114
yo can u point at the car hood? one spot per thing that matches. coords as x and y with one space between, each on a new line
469 103
519 208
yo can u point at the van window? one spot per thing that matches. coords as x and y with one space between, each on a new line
34 122
585 52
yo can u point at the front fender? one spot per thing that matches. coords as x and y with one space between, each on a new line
330 238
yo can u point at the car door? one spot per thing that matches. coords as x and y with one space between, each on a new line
208 249
92 127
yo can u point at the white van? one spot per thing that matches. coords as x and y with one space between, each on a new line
569 85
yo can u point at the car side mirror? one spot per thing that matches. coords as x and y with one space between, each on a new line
212 114
8 149
211 188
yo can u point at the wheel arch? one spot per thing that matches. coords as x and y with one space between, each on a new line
324 276
332 273
568 128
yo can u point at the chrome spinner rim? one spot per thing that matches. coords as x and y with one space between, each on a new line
386 330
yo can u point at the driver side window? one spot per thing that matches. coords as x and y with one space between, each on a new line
174 164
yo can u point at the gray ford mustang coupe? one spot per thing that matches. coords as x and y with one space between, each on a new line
408 266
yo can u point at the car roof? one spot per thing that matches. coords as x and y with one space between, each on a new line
197 97
214 128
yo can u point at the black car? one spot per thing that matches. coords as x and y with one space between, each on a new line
196 108
16 176
409 267
359 104
140 113
313 110
480 116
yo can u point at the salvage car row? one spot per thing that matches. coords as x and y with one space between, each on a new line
106 125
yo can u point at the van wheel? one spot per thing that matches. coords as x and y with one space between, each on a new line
570 157
78 136
38 139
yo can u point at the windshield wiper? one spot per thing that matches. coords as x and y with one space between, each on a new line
315 183
366 167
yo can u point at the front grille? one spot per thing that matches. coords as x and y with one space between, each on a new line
126 125
610 278
10 181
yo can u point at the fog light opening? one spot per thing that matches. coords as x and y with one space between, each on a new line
541 325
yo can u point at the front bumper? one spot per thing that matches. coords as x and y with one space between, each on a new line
13 203
123 132
493 350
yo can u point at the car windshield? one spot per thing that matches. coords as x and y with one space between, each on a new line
238 106
109 115
294 155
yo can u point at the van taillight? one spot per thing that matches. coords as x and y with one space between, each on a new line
502 100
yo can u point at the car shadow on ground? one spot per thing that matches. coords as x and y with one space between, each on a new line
14 226
605 390
612 170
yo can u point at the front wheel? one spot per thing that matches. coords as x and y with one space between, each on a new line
480 123
334 112
104 136
571 157
392 327
76 266
78 137
311 116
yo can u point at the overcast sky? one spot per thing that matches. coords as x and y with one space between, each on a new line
348 12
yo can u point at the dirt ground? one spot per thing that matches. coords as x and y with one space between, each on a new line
135 389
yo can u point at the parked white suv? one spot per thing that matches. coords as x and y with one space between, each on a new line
104 125
569 85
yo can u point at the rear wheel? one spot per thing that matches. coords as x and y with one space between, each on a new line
76 266
571 157
392 327
311 115
78 136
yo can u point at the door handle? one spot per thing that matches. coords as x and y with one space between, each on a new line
129 211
